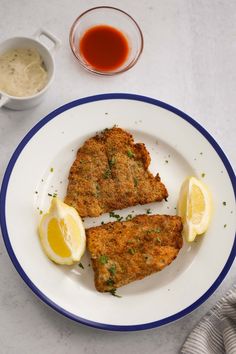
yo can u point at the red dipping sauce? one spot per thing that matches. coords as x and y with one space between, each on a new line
104 48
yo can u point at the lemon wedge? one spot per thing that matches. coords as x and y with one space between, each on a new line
194 207
62 233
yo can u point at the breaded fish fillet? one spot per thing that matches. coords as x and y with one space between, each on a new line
122 252
111 172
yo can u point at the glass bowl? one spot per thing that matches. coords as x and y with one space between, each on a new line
118 20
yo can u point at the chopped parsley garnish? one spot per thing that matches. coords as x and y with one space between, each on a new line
166 161
130 154
224 203
54 195
201 153
158 230
107 173
41 212
112 269
36 192
129 217
158 239
225 225
112 161
51 169
131 251
203 175
97 192
113 292
81 265
135 181
148 211
110 282
116 216
49 194
103 259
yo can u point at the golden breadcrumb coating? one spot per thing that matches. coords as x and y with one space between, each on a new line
111 172
123 252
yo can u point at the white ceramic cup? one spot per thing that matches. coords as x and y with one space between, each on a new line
21 103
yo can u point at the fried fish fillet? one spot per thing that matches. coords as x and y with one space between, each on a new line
111 172
123 252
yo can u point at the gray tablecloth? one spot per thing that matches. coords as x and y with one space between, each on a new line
216 332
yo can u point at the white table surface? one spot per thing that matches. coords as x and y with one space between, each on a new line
188 62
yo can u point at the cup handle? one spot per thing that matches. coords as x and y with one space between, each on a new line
56 42
3 99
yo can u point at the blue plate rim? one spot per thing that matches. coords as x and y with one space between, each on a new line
14 259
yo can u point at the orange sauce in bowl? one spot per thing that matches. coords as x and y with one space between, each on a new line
104 48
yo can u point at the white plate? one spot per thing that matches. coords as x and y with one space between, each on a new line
179 147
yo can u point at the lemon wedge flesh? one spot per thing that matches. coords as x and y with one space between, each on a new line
62 233
194 207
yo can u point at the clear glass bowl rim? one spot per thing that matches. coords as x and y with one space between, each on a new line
107 73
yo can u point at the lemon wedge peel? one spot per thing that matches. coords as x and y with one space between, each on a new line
62 233
195 207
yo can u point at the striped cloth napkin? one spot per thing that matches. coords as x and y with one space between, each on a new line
216 332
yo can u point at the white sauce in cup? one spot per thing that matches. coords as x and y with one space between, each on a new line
22 72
